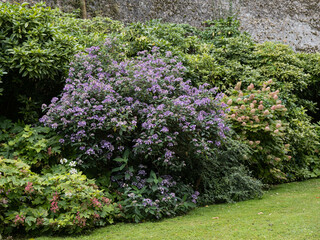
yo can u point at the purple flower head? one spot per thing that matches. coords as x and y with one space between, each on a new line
82 124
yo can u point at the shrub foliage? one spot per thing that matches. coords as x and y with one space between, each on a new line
60 200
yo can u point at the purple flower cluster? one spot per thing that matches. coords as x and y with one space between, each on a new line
195 196
158 197
142 104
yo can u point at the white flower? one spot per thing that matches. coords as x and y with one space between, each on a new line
73 171
68 194
63 160
72 164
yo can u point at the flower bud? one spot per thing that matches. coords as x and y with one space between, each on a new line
229 102
250 87
238 86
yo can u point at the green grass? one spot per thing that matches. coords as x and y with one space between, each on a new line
288 211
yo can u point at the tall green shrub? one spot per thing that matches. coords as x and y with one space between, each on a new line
37 44
34 54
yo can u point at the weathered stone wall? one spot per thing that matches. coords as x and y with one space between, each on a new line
294 22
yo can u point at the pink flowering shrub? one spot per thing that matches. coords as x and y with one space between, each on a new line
258 117
143 105
57 201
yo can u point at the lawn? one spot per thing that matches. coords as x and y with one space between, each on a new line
287 211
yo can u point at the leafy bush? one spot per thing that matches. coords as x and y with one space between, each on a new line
37 45
311 65
144 195
37 146
60 200
217 31
143 105
88 32
225 178
305 145
34 54
177 38
1 74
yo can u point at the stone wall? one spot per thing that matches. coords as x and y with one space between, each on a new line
294 22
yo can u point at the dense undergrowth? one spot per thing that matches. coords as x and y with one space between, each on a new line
144 121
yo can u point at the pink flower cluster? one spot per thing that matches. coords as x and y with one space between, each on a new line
80 221
29 188
39 221
54 203
106 200
95 202
19 219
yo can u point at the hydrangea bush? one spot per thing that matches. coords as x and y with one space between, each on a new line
258 116
143 105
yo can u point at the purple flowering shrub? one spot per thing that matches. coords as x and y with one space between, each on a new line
143 105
